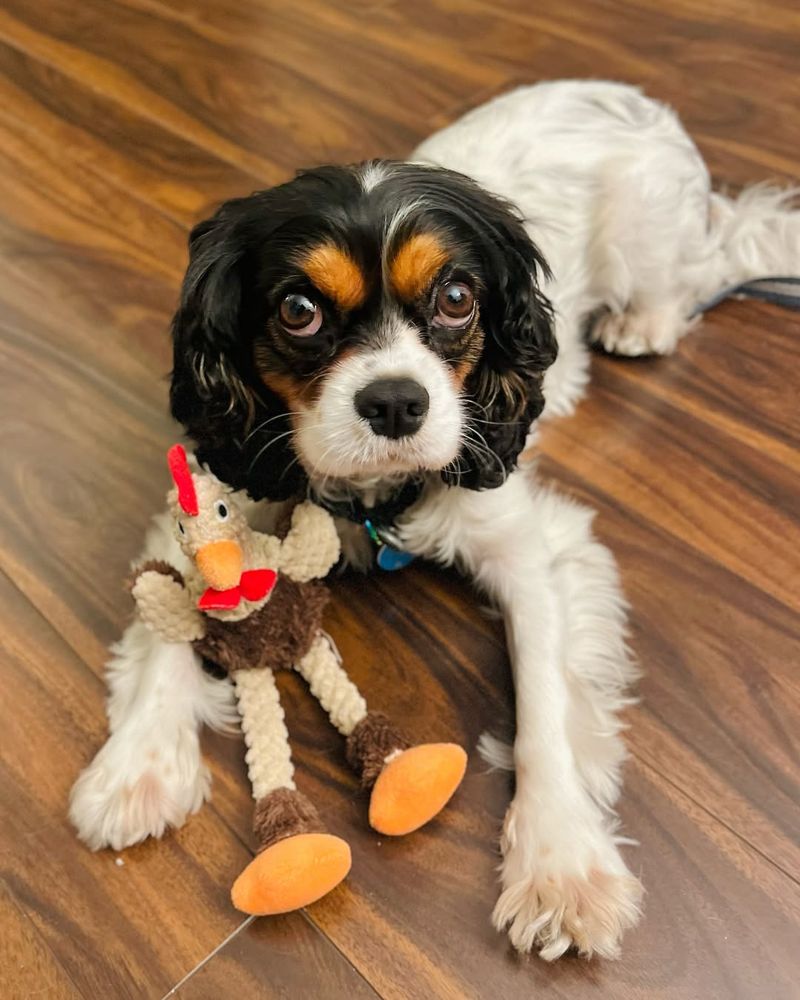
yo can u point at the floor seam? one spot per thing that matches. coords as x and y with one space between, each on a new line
204 961
310 920
718 819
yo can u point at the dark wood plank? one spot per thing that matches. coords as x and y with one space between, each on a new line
86 266
27 966
283 119
722 496
92 459
730 372
690 60
720 708
81 213
417 78
100 136
720 919
442 70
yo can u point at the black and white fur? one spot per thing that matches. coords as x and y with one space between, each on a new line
619 204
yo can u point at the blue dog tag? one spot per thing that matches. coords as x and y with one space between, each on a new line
391 559
387 557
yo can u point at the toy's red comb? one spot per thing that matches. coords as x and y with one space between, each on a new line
182 477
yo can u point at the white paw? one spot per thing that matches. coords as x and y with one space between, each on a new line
135 789
563 891
637 333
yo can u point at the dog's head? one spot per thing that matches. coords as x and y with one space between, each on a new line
360 322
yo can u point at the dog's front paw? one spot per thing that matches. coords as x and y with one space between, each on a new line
564 892
133 790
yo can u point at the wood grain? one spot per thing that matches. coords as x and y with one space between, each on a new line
27 966
121 123
98 135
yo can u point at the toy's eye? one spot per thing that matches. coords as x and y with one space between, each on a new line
222 510
181 528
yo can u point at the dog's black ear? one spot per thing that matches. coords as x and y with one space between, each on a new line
214 391
505 387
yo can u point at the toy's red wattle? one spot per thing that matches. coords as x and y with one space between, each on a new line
219 600
254 585
182 477
257 583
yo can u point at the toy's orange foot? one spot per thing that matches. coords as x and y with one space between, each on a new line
414 786
291 873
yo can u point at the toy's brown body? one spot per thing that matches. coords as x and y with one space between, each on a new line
250 603
274 637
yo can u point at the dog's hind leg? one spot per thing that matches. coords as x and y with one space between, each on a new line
665 247
650 246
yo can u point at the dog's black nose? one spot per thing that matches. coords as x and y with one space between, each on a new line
394 407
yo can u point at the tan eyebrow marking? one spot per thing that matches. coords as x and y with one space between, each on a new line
336 274
415 265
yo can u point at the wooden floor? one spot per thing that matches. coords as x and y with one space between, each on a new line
122 122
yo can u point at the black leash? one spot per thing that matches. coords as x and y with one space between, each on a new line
781 291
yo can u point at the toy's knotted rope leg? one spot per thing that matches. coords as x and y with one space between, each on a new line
298 862
409 786
269 756
281 810
371 738
322 669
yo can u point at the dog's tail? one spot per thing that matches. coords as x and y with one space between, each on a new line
755 235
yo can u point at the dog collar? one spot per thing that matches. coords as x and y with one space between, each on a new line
382 514
378 521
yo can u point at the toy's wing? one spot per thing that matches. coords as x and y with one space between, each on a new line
165 606
312 546
267 550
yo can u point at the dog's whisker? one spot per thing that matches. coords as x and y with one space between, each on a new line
481 446
269 420
267 446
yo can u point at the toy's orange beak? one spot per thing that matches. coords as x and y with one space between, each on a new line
220 563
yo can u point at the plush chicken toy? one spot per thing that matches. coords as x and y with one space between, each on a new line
253 604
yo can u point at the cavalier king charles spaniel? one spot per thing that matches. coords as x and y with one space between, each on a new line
382 337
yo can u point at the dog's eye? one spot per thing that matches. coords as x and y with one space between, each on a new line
455 304
222 511
181 528
300 316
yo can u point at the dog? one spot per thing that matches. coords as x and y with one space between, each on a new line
384 337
